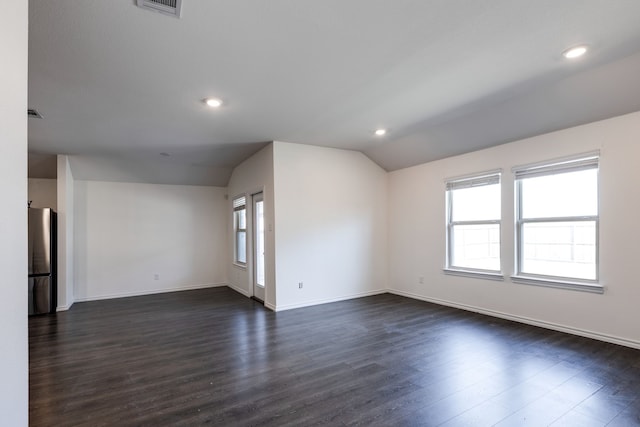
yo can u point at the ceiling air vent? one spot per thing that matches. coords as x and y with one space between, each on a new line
31 113
167 7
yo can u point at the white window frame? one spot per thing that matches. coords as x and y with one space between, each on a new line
576 163
476 180
239 203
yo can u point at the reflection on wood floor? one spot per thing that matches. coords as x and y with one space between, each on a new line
213 357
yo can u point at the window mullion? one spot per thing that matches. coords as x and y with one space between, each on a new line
561 219
519 225
449 260
484 222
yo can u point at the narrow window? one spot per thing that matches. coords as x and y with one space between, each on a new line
473 223
557 220
240 230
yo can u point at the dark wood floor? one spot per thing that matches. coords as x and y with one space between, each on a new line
213 357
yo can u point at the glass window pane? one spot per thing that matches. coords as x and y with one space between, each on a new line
476 246
241 246
260 244
561 249
476 203
565 194
241 219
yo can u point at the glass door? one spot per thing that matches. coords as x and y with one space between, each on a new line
258 247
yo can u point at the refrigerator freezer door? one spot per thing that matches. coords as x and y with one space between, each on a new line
39 241
39 295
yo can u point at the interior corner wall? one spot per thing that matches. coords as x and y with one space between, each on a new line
331 222
65 205
14 356
43 193
417 234
137 239
252 176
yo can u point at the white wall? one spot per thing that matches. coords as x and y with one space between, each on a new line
43 193
252 176
331 222
417 234
13 215
128 233
65 205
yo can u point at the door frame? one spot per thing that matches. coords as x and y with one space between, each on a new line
257 293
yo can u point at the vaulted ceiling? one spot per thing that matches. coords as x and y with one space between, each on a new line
121 88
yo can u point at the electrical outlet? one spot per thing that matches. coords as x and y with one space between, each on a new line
421 280
300 285
156 277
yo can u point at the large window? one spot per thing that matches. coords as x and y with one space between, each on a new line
557 220
240 230
473 223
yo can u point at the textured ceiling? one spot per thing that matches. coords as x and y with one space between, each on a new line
118 85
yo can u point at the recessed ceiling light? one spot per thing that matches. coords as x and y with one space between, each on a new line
574 52
380 132
213 102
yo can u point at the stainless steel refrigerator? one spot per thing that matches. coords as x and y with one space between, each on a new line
43 295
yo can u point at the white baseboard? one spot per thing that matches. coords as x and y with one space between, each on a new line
248 295
522 319
238 290
324 301
64 307
150 292
547 325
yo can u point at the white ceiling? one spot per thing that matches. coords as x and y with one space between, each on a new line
118 85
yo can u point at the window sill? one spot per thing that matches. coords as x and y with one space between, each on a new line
474 274
560 284
240 266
